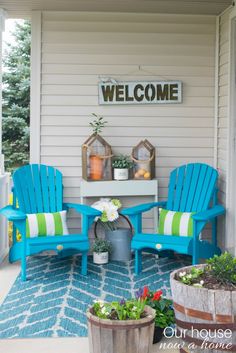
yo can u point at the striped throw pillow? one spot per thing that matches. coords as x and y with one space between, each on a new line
175 223
44 224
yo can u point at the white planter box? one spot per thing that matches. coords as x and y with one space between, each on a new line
4 199
121 174
100 258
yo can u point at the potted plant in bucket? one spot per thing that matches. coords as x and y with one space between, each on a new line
204 299
121 165
120 324
119 237
164 311
101 249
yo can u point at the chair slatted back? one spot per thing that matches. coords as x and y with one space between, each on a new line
191 187
38 188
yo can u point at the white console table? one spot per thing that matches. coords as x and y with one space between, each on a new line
114 188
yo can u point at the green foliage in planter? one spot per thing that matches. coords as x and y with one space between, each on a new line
101 245
122 162
164 313
132 309
219 270
97 124
191 277
223 268
164 307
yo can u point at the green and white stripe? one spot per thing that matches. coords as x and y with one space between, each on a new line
175 223
46 224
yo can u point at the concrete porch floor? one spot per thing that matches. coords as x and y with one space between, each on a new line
8 274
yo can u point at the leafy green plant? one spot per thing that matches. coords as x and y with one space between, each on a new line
132 309
124 310
164 307
101 245
191 277
223 268
122 162
97 124
164 313
219 271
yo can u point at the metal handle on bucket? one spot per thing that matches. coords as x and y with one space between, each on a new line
121 215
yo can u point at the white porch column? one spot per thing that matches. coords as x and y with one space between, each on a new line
3 16
4 177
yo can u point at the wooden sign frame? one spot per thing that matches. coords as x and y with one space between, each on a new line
140 92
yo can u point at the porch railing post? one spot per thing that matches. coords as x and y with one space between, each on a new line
4 177
3 16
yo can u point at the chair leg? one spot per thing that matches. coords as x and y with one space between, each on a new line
14 231
195 258
195 244
84 264
214 232
138 261
23 261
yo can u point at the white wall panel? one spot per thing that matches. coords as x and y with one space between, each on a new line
223 118
79 48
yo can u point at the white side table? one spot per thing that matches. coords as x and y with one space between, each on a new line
114 188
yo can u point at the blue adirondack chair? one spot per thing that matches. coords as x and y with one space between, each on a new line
192 188
39 189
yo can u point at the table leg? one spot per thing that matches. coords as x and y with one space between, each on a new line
155 215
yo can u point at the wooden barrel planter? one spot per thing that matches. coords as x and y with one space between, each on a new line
205 318
124 336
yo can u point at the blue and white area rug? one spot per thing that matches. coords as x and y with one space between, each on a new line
54 300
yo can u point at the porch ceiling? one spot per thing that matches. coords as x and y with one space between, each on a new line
23 8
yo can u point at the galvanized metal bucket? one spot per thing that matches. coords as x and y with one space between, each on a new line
120 240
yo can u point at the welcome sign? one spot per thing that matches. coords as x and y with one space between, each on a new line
156 92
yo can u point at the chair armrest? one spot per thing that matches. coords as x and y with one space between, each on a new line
83 209
209 214
13 214
132 211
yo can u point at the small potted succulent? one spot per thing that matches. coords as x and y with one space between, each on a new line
121 165
164 311
116 324
101 249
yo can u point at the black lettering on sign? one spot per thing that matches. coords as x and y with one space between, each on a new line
127 97
173 92
139 97
159 92
162 92
120 93
149 88
108 93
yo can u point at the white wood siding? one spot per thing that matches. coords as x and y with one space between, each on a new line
223 118
79 48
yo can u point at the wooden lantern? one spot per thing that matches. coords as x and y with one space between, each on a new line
143 156
96 159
